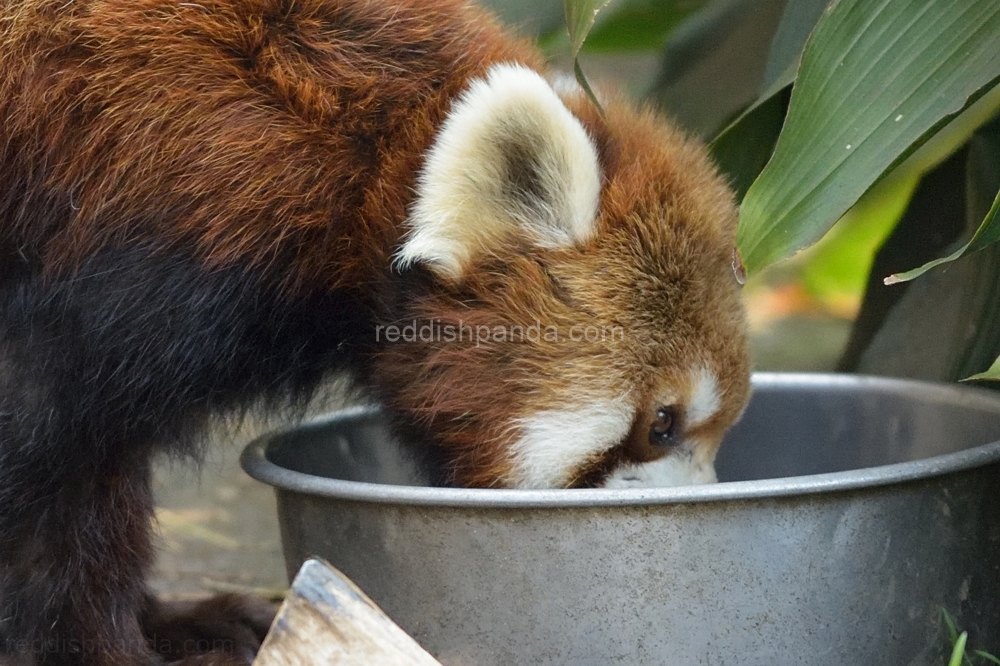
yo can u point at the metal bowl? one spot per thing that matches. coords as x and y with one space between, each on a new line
852 511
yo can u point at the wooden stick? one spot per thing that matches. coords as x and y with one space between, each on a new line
326 620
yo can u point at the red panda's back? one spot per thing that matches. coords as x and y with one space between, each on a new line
282 133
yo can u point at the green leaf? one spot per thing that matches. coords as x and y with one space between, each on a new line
580 17
959 651
710 66
744 147
797 22
988 657
988 232
638 25
950 626
992 374
878 78
582 80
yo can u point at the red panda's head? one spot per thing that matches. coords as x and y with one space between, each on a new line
577 321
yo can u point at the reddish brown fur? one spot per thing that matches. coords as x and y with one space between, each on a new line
262 130
660 268
198 205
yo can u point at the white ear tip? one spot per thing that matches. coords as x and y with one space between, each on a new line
445 258
506 128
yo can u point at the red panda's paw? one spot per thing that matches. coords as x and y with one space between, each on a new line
225 630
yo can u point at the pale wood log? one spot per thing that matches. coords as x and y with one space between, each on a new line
327 621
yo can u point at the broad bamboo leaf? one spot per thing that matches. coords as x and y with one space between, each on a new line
948 326
987 141
797 22
637 25
878 78
710 66
992 374
705 34
744 147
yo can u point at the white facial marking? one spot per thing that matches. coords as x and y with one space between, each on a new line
554 443
674 470
465 199
705 401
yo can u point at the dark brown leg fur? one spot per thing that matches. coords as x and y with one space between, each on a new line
72 571
95 376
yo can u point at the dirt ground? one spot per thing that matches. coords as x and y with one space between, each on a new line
218 528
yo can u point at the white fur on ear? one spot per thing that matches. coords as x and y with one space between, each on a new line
510 157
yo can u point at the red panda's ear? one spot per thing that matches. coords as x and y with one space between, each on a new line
509 159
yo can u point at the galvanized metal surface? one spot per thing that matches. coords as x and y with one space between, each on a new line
887 512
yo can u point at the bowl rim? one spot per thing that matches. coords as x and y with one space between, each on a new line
255 463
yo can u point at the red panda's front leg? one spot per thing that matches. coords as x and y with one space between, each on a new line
74 554
102 367
74 545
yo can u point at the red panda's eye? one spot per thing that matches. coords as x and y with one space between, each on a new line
663 430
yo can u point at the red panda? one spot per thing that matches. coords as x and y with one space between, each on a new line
209 204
